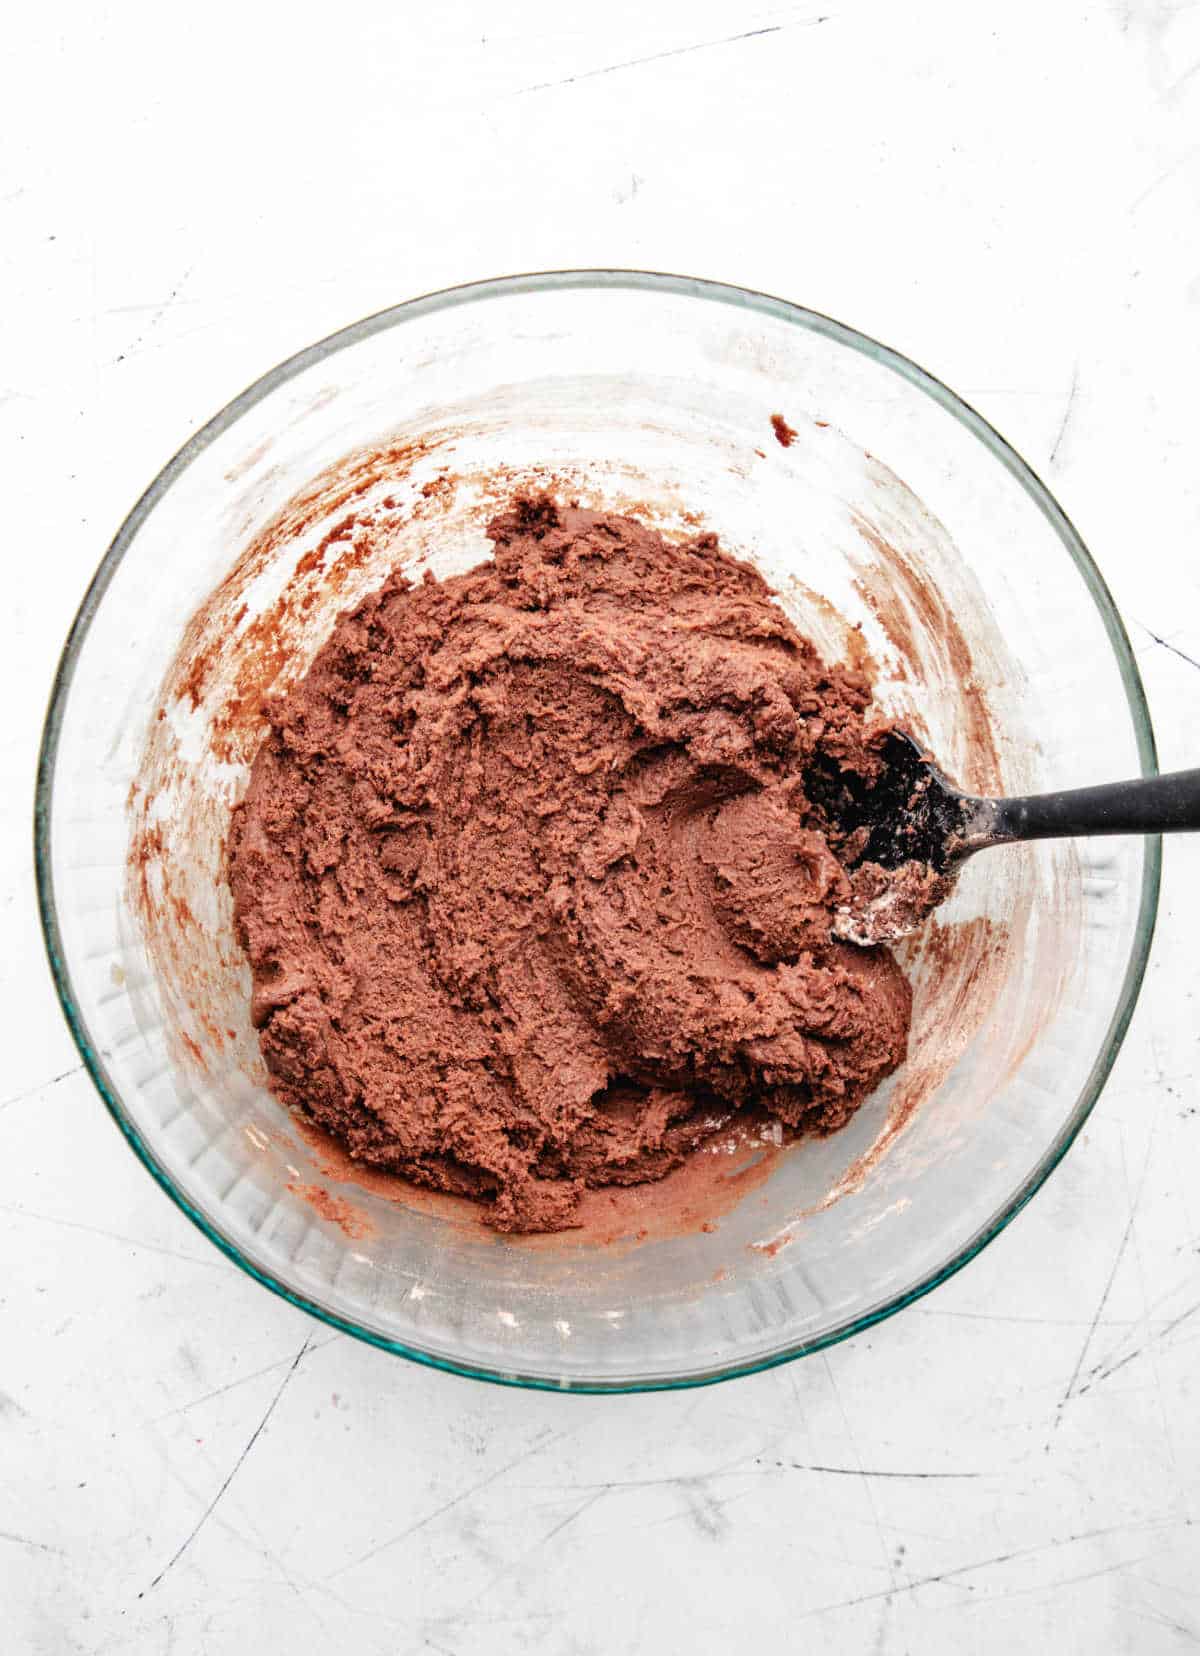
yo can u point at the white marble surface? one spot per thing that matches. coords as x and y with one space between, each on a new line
1012 196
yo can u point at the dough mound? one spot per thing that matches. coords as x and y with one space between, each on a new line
529 882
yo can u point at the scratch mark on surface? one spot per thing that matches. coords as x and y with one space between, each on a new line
870 1472
157 317
1000 1317
1074 1580
217 1264
1183 656
1134 1198
361 1610
618 1485
1147 1580
1167 172
1137 1249
1104 1372
579 1511
1182 80
987 1564
1167 1622
877 1522
1112 1275
1085 1347
232 1385
43 1086
460 1617
672 51
739 1466
213 1504
463 1615
297 1588
1067 412
439 1650
28 1542
448 1506
702 1510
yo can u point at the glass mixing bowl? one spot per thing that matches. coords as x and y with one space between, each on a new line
899 530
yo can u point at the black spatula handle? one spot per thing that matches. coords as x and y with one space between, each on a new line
1149 805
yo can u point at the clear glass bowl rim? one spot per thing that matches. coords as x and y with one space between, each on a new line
650 282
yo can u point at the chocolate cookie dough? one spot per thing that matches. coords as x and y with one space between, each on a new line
530 882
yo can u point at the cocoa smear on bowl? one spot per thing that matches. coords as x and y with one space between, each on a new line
923 629
352 1221
737 1160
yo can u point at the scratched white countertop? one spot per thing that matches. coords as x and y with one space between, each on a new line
1010 195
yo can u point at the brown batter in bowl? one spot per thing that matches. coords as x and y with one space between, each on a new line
529 880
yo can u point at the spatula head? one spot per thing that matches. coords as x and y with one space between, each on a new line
898 835
909 812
